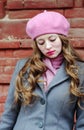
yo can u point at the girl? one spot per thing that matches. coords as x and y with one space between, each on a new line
47 88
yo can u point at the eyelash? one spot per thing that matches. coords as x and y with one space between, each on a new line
41 43
52 40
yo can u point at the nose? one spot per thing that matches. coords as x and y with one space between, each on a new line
48 45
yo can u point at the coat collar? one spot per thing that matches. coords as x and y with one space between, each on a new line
60 76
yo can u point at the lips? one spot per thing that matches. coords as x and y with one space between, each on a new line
50 52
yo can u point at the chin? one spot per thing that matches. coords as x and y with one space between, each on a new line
52 56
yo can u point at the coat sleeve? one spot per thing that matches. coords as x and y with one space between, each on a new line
11 110
80 111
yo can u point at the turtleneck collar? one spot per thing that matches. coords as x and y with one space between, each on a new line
53 63
52 66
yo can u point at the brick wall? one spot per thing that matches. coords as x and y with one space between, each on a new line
15 44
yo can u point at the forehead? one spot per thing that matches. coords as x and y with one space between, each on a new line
46 36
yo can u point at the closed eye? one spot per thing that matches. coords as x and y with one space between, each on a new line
52 40
40 42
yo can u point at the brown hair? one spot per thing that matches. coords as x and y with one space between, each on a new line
37 68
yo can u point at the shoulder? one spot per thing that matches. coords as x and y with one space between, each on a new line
80 65
20 64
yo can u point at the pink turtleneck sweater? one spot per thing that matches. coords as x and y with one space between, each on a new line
52 66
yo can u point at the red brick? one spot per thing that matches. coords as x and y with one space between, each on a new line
4 90
2 10
1 69
14 4
22 53
64 3
3 96
77 22
2 54
4 1
23 13
8 54
76 32
26 43
77 43
11 30
47 4
78 3
2 62
5 78
15 44
16 53
1 108
8 69
4 44
81 53
19 14
11 61
2 99
74 13
36 4
8 61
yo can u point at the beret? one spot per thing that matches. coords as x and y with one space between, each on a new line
47 22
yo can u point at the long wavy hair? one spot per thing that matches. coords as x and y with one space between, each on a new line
36 68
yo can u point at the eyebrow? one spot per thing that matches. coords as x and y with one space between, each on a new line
52 36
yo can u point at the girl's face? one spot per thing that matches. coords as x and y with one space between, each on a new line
49 44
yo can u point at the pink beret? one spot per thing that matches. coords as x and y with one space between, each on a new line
47 22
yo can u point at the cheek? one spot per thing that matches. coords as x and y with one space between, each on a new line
58 45
42 49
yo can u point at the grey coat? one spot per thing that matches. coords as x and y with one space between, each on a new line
53 110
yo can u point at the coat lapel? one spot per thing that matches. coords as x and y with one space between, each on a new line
60 76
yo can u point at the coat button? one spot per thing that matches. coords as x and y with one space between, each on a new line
42 101
40 124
